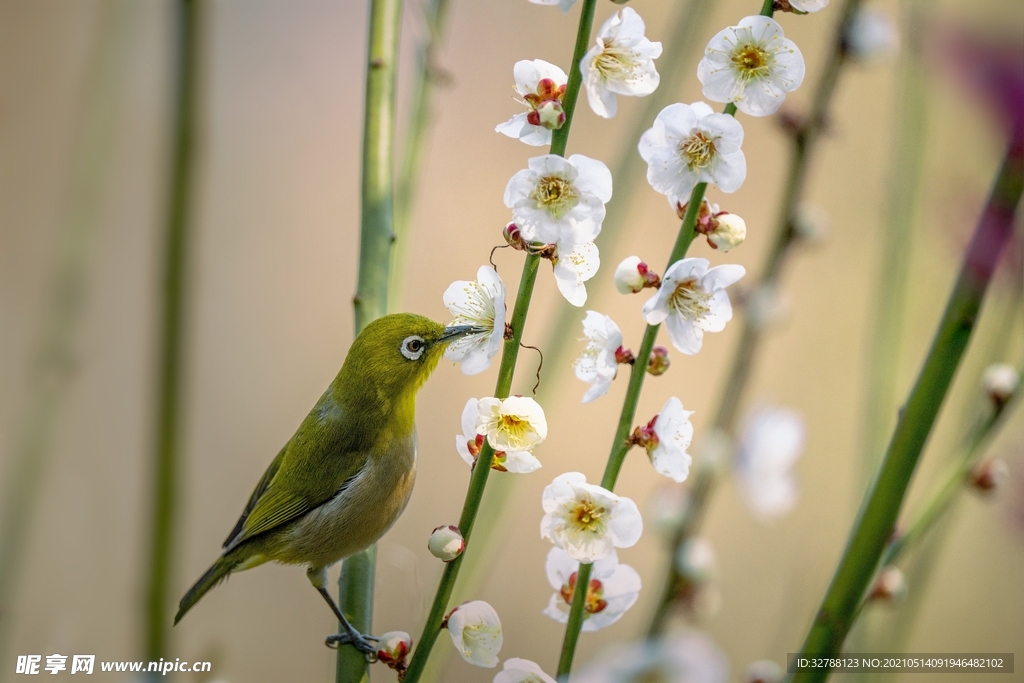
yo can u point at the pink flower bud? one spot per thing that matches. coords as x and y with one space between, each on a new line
632 275
659 361
512 236
393 647
446 543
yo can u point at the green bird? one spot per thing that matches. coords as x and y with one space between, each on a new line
346 475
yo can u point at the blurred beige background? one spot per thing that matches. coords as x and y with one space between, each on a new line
273 272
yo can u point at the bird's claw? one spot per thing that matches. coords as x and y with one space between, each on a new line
360 642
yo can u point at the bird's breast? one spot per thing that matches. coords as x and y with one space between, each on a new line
360 513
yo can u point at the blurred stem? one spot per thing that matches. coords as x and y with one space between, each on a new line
896 238
509 356
166 470
804 140
53 364
877 519
355 584
620 442
943 496
421 120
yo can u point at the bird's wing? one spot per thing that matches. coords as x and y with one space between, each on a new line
257 493
314 466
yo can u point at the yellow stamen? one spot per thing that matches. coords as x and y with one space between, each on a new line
555 195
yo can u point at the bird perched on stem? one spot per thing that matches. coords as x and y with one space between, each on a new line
345 476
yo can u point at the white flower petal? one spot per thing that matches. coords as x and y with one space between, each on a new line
517 670
475 630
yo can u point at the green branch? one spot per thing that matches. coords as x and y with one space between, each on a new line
509 356
877 519
355 584
804 141
166 470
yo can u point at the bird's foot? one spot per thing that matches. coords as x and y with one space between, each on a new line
357 640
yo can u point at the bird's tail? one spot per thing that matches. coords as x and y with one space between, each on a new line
214 575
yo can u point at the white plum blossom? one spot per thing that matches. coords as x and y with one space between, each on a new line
692 300
805 5
751 64
563 5
476 632
516 670
632 275
469 443
559 201
541 86
690 144
613 589
673 433
682 657
598 364
482 304
620 63
871 35
516 423
573 269
772 440
588 521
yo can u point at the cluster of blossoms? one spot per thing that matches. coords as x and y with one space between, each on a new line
558 207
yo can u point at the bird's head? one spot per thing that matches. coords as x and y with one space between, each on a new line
394 355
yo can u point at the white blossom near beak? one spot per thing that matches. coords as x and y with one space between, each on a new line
772 440
588 521
692 300
469 443
541 85
620 63
613 589
517 670
481 304
752 65
476 632
690 144
598 364
516 423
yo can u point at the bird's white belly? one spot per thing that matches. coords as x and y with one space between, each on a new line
357 517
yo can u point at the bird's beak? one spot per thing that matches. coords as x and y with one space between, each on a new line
453 332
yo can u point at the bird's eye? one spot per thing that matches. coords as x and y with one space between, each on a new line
412 347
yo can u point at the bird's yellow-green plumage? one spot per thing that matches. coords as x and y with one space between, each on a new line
345 476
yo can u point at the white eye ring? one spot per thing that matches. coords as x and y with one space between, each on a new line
413 347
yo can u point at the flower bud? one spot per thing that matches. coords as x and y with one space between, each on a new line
764 671
393 647
624 356
632 275
550 115
730 231
988 475
1000 381
890 586
446 543
659 361
512 236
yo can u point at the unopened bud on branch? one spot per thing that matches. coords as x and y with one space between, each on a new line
446 543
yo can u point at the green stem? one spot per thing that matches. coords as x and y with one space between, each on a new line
421 120
509 356
166 468
560 137
478 479
620 442
741 367
355 584
877 519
